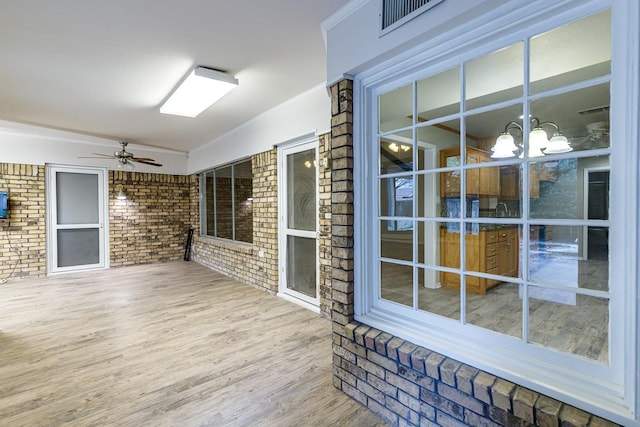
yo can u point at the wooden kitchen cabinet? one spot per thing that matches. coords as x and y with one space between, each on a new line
479 182
488 251
510 183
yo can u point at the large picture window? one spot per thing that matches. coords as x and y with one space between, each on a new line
227 202
486 209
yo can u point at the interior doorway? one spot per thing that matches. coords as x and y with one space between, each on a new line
77 213
597 207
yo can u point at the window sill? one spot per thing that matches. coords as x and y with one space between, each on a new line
241 247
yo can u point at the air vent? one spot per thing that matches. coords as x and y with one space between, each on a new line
593 110
396 12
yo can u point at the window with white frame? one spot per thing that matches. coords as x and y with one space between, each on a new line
227 202
503 257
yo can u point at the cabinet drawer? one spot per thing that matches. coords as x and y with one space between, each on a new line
492 263
491 249
491 236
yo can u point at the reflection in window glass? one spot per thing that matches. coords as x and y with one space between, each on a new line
539 217
439 95
500 310
564 114
506 68
224 203
554 64
441 301
396 283
571 323
445 135
395 109
569 256
396 244
484 129
396 199
557 188
396 153
243 193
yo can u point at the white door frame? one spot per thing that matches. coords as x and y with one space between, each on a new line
52 221
303 144
585 206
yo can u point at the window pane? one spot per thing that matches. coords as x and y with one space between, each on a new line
431 139
579 115
509 204
575 52
439 95
429 242
396 240
483 131
396 283
558 189
428 199
395 109
396 198
506 68
209 199
434 299
571 323
569 256
499 310
301 265
224 203
243 187
492 249
396 153
77 195
301 174
80 246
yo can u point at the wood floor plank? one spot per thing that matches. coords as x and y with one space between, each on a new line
171 344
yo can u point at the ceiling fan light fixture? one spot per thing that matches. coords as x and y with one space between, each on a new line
198 91
124 163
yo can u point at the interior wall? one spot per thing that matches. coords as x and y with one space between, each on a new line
354 44
22 234
305 114
152 224
27 144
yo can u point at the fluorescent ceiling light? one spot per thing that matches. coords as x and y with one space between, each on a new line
198 91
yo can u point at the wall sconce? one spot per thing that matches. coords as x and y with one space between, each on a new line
121 194
198 91
539 145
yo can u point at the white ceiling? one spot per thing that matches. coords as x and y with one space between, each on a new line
103 67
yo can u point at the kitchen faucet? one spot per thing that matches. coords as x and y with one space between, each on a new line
506 210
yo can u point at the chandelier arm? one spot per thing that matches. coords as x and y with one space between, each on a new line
512 125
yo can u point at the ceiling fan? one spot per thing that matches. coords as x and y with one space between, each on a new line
125 158
597 137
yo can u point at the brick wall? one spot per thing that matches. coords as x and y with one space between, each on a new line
22 235
324 224
152 224
405 384
243 261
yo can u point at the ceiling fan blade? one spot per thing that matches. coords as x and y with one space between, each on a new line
92 157
144 161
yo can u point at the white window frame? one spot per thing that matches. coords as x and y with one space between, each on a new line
203 202
608 391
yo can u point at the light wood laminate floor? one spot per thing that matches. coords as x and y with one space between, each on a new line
171 344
